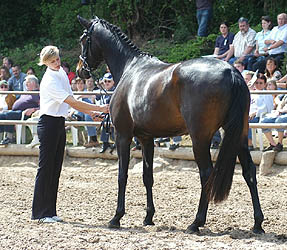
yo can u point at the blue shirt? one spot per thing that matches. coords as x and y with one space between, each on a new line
260 38
105 99
278 34
17 84
223 43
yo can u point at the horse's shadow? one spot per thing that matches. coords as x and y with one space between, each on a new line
240 234
233 233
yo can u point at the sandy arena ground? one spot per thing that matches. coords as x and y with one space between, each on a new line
87 201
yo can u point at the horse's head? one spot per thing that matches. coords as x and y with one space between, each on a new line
91 55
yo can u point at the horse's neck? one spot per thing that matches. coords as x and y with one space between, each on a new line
118 61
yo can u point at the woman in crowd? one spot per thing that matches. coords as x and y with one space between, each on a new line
257 62
271 71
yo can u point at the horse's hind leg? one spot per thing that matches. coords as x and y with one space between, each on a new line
201 149
148 152
123 150
249 174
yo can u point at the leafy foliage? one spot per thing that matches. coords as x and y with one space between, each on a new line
27 26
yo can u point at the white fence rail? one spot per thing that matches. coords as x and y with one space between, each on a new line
254 126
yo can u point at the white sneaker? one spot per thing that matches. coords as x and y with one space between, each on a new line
33 143
47 220
57 219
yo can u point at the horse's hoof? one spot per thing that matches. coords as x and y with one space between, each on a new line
148 223
113 224
192 229
258 230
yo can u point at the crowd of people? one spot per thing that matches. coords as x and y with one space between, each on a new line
26 106
259 58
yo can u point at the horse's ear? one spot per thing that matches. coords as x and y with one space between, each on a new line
85 23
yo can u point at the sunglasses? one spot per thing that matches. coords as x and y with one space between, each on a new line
107 81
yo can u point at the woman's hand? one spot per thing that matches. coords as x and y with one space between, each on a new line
97 116
105 108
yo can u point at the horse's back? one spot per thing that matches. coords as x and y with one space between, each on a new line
160 100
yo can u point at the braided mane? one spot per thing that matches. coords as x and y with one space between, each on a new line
121 36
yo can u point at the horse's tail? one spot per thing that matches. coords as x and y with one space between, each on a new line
220 179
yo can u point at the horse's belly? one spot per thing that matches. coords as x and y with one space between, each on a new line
161 126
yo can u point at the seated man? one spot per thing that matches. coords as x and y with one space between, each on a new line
16 81
107 129
277 40
25 105
243 43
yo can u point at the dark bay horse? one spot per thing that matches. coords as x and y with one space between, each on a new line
158 99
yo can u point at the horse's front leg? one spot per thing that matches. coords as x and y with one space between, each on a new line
203 160
148 152
249 174
123 150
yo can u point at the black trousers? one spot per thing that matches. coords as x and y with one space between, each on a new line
52 137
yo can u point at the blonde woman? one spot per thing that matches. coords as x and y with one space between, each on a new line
55 99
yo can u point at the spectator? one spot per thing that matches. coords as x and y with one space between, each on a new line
74 84
66 67
223 41
137 145
33 128
4 73
164 140
239 65
259 106
16 81
271 85
282 83
277 116
203 15
26 105
90 84
176 140
92 130
6 100
271 71
277 40
30 71
7 62
259 53
216 139
243 43
107 129
248 76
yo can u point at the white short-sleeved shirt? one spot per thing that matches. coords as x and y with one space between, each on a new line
278 34
54 90
243 40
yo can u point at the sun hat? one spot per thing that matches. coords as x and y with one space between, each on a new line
3 82
108 76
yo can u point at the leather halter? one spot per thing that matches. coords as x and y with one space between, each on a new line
86 47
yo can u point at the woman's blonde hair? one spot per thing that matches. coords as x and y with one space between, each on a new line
47 53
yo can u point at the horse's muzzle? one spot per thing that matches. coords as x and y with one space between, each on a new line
81 72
